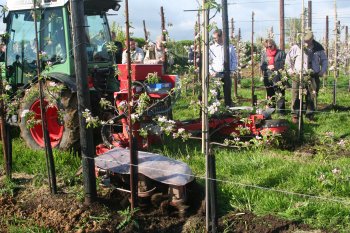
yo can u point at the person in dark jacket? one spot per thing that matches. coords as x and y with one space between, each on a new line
119 52
272 61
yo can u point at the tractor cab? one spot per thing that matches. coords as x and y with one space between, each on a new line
55 38
54 50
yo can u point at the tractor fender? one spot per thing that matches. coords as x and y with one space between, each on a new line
69 81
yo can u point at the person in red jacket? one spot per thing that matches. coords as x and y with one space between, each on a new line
272 61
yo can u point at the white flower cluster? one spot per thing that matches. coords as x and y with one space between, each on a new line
90 120
167 126
181 132
214 107
24 113
135 117
214 93
109 122
8 87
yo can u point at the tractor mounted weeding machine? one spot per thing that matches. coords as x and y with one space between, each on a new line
160 177
170 180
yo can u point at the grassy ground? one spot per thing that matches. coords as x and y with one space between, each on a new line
310 183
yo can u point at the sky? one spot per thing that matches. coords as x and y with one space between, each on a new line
266 16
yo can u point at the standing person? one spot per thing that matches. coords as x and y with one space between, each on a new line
136 53
315 60
119 52
272 60
155 53
191 54
216 63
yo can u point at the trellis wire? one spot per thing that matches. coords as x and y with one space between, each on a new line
335 200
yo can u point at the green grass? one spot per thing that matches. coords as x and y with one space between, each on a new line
24 228
303 186
34 163
8 187
296 186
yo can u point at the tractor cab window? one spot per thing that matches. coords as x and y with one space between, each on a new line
52 34
22 50
97 34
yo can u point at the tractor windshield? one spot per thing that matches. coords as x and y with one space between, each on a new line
21 49
97 36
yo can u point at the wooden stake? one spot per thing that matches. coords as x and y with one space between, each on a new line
336 29
145 30
282 34
252 61
164 33
132 141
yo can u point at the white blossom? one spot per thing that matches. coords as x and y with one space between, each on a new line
134 116
341 143
8 87
24 113
336 171
162 119
213 92
322 177
181 130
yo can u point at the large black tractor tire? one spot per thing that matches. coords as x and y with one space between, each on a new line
63 131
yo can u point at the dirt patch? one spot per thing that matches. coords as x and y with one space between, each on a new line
32 206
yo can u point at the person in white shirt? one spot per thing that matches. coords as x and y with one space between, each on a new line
136 53
216 63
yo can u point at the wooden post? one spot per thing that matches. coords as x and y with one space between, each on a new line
309 15
133 153
237 76
48 148
165 60
336 29
4 137
327 49
347 49
194 46
145 31
252 61
205 126
282 34
226 43
301 74
232 30
195 78
199 49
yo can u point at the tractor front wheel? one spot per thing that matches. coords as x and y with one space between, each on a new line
62 119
